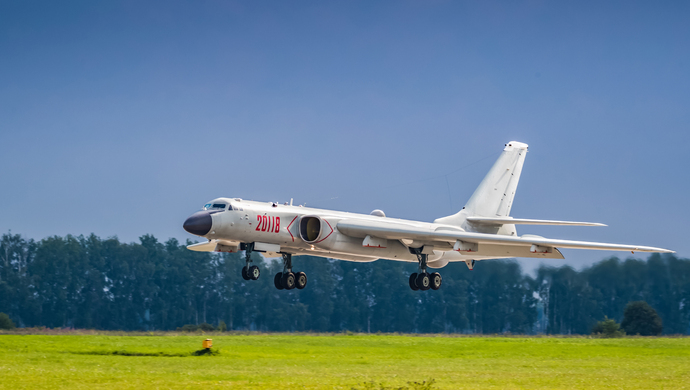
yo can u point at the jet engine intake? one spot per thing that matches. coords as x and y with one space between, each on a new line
311 229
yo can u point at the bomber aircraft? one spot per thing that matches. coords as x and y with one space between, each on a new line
482 230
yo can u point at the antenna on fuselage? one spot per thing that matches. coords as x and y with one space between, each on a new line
290 201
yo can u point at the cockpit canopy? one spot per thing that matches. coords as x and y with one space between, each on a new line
216 206
222 204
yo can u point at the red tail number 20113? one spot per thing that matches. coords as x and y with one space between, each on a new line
268 224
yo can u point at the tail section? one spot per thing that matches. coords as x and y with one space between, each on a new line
495 194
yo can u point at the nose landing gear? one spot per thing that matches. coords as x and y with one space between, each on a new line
422 280
287 280
250 272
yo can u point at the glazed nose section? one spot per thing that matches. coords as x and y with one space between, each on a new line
198 223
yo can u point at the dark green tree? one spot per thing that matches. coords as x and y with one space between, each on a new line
16 295
608 328
640 318
6 322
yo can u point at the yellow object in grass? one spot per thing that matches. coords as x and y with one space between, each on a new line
208 343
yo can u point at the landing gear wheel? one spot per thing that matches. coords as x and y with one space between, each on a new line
277 281
436 280
300 280
288 281
413 282
245 273
423 281
254 272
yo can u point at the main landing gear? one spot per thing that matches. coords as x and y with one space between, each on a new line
250 272
287 280
421 280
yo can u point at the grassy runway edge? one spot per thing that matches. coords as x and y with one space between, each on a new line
90 359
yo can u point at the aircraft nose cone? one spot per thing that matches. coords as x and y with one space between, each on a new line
198 223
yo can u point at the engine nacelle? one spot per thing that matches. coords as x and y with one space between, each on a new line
314 229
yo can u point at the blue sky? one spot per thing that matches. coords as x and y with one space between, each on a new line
122 118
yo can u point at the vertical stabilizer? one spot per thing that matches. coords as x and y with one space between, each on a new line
495 194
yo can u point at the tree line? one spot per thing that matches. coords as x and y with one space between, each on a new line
89 282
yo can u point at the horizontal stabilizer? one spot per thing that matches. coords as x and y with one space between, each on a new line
215 246
522 221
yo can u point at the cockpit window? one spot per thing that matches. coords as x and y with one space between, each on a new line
215 206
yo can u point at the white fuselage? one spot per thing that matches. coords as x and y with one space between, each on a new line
278 224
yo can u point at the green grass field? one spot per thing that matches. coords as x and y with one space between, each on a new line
285 361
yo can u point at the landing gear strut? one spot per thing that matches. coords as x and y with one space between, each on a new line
421 280
288 280
250 272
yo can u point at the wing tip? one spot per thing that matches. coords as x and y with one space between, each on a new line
653 250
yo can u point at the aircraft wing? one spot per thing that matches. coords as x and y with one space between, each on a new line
401 231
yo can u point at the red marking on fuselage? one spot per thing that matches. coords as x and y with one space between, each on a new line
288 228
329 234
